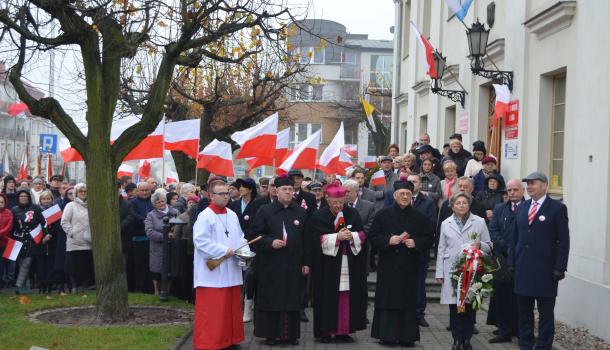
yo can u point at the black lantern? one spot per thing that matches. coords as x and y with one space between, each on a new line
477 45
454 95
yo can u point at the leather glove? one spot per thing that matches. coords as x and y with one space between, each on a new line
558 275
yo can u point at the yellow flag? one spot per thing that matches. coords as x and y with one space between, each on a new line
368 110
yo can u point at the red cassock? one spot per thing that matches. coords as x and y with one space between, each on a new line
218 318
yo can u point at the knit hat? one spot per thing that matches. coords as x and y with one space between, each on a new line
489 159
479 146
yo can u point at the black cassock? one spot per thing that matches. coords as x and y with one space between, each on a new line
394 319
327 270
277 300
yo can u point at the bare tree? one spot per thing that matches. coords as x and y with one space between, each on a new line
131 51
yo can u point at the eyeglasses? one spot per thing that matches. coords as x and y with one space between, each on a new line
221 193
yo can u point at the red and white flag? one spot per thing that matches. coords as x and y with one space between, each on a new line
12 249
68 153
334 160
502 102
284 233
171 177
302 156
144 169
339 220
150 147
281 145
369 162
52 214
378 178
183 136
18 109
36 234
259 140
23 167
217 158
125 170
429 52
49 166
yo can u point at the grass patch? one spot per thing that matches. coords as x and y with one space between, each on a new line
19 333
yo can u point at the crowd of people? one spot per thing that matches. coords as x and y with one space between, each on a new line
318 239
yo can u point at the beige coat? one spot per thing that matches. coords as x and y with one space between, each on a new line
75 222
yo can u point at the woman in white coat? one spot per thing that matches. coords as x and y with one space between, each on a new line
455 235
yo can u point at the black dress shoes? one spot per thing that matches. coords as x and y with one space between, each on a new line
466 345
423 323
296 342
326 340
270 341
499 339
457 345
409 344
344 338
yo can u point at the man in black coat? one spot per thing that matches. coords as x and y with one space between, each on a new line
503 303
538 254
339 269
427 207
303 199
127 216
283 257
464 185
401 233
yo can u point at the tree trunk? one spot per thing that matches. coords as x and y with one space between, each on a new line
185 166
103 203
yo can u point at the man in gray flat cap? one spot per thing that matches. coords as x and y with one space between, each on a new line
538 256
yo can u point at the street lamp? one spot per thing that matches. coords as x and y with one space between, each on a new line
167 225
454 95
477 45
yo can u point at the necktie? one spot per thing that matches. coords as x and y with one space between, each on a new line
532 213
351 205
412 200
514 207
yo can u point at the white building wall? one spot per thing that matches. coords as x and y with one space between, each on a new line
579 47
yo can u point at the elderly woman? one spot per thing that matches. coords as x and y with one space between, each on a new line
457 232
75 222
449 183
430 183
153 226
186 190
409 162
458 155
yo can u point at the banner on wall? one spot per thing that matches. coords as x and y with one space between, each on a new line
463 123
511 121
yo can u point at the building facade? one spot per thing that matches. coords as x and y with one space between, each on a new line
341 67
556 51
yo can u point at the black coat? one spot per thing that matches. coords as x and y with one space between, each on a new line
426 206
397 270
539 249
327 271
247 217
279 270
25 219
127 217
310 201
461 159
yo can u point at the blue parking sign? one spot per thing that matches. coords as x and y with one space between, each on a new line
48 143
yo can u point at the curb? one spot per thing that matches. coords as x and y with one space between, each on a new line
182 340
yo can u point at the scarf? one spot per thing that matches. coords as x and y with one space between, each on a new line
448 185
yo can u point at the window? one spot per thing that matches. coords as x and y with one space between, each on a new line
381 71
349 56
310 54
449 122
558 131
299 132
423 124
306 92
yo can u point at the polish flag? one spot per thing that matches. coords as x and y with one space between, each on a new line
217 158
52 214
302 156
183 136
339 220
12 249
334 159
68 153
502 102
49 166
350 150
259 140
172 177
281 145
150 147
36 234
378 178
429 50
144 169
23 167
369 162
124 170
18 110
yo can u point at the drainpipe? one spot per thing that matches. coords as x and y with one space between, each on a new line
396 75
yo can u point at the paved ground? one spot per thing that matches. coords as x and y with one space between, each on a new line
436 337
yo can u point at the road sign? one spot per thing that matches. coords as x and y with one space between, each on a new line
48 143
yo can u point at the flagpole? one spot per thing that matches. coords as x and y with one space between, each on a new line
163 153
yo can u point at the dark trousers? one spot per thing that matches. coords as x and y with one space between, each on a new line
142 280
462 324
420 300
44 270
546 323
505 308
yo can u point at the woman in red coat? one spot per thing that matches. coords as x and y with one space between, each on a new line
6 226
